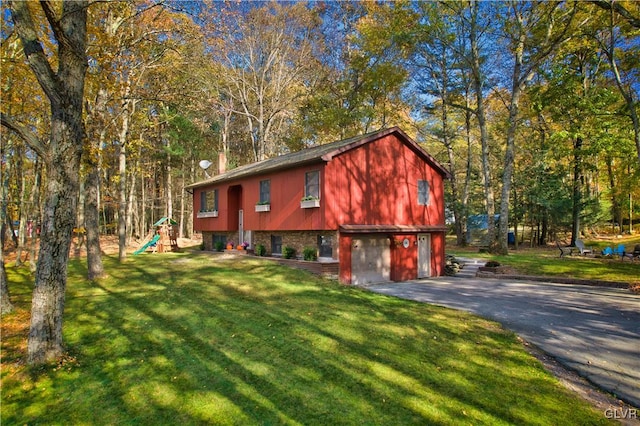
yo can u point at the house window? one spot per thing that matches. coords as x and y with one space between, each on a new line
219 238
325 246
203 201
312 184
265 192
423 193
276 244
209 201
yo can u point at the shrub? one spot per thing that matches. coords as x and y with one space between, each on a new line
260 250
310 254
492 264
288 252
219 246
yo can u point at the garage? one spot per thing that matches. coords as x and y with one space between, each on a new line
370 259
381 253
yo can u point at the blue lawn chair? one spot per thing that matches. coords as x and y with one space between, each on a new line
620 250
607 251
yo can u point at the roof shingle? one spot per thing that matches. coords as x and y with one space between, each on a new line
314 155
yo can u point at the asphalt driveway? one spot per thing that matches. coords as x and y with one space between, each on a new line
593 330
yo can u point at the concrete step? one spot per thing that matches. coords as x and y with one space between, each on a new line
470 267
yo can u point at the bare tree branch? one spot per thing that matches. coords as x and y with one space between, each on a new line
25 134
619 9
34 51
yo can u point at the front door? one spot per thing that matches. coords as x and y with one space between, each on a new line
424 255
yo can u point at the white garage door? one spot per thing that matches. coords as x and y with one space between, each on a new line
370 260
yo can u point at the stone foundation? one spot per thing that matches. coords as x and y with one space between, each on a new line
296 239
207 239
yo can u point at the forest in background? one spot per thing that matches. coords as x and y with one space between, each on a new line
544 91
108 107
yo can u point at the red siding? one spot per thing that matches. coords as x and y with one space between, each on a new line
437 254
377 184
345 259
287 189
404 261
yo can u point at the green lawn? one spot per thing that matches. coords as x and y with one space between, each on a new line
193 339
546 261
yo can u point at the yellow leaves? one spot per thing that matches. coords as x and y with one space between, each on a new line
387 25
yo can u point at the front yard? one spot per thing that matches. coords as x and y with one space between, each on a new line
192 338
545 261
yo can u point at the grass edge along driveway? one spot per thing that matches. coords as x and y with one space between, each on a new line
195 339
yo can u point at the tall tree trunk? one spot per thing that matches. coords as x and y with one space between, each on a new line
143 206
517 85
122 202
478 84
62 158
446 140
527 23
169 188
128 109
22 206
628 92
468 171
93 162
182 197
45 334
192 178
131 200
95 268
616 211
122 176
80 221
79 230
577 191
5 301
507 173
515 222
37 213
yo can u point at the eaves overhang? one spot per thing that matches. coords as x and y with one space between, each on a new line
390 229
319 154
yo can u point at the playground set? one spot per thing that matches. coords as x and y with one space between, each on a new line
162 238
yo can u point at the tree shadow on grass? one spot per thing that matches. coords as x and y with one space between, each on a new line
251 342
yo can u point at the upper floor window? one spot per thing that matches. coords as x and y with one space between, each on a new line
265 192
312 184
423 193
209 201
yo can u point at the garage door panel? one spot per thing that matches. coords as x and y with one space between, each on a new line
370 260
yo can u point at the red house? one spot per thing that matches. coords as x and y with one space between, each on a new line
372 203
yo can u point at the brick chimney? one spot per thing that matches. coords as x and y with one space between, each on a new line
222 162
